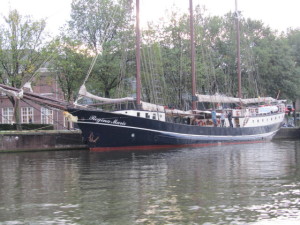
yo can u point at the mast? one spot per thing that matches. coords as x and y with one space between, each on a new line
138 56
194 107
238 54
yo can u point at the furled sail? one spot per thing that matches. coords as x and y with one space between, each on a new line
225 99
217 98
85 93
258 100
17 94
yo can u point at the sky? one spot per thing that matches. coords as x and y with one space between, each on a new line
278 14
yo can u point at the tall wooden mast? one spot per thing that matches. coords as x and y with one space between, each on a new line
194 106
138 55
238 54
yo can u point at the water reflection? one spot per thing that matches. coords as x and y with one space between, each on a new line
237 184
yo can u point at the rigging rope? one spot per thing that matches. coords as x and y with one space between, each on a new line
28 83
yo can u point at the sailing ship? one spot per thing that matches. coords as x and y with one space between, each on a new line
133 124
139 125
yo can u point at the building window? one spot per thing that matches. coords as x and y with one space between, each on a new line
46 116
7 115
27 114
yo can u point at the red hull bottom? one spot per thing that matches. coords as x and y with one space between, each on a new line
161 147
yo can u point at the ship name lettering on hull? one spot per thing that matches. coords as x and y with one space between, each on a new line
107 121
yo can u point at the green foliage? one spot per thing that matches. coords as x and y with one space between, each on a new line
22 51
293 37
270 63
105 27
175 53
96 22
22 48
70 63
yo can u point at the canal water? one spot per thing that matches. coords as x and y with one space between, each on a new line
236 184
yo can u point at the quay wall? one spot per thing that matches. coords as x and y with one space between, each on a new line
11 141
288 133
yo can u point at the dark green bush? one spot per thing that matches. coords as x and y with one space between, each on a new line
27 127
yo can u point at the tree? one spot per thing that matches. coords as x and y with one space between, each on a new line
104 26
293 37
22 51
175 49
70 63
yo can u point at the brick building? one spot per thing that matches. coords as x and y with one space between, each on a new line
30 112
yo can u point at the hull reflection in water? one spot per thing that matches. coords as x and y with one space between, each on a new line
237 184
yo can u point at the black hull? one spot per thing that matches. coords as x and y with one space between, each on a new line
105 131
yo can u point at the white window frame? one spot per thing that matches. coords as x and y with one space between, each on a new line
7 115
26 113
46 116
